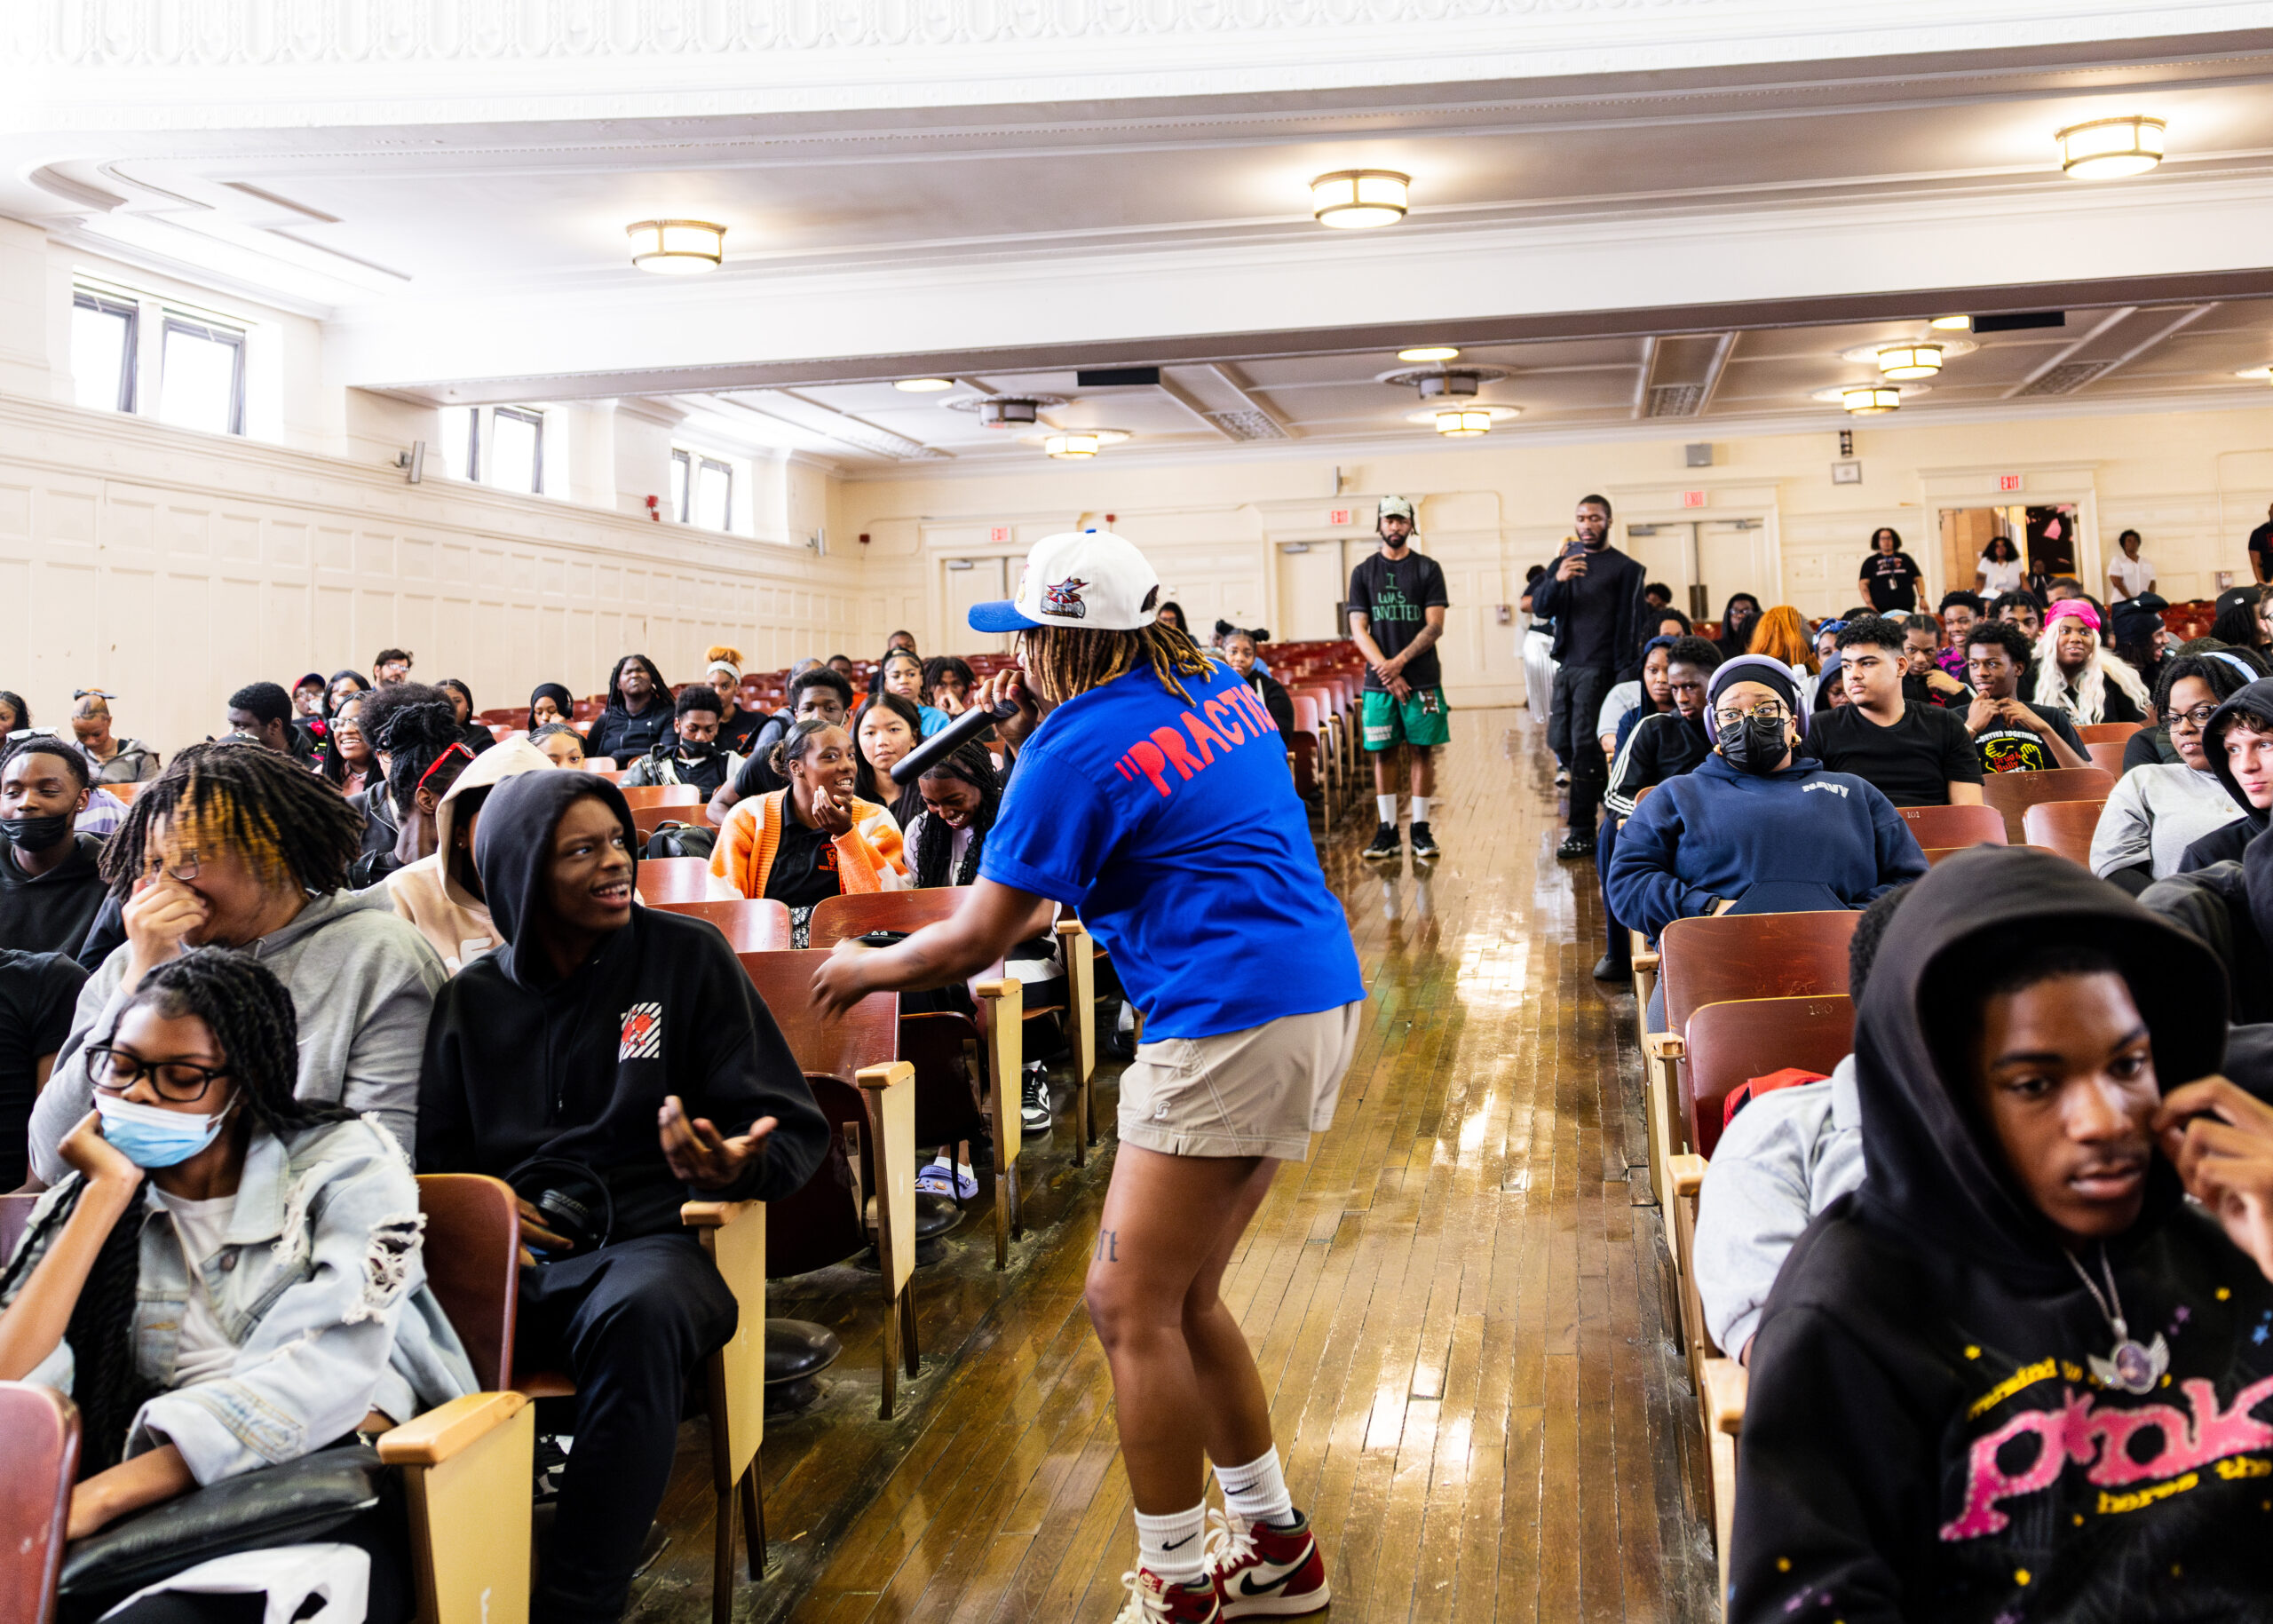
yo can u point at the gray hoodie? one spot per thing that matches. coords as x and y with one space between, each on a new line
362 982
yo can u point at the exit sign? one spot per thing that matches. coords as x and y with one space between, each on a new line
1337 516
1692 499
1000 532
2009 481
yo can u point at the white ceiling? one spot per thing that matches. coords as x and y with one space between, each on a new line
1603 233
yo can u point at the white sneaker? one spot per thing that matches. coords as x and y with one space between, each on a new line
1154 1600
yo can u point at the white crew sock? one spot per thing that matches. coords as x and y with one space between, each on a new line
1257 1491
1386 804
1420 809
1171 1546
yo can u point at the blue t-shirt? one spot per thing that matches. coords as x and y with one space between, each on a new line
932 717
1175 833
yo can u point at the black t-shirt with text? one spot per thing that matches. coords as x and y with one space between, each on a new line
1893 579
804 865
1912 763
1395 597
2004 748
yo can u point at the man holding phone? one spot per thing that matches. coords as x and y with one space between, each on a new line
1594 592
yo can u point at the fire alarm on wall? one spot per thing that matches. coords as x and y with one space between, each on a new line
1110 518
864 538
655 509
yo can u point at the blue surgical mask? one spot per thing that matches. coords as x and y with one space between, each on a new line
150 1137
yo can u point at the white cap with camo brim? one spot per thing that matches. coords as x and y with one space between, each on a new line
1085 580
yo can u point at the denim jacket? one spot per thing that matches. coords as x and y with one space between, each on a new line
320 1285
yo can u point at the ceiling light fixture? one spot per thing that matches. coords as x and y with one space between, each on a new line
1867 401
1902 361
1952 324
1440 351
2110 148
924 385
677 248
1352 200
1071 445
2264 375
1464 424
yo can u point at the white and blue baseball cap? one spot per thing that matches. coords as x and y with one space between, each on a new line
1087 579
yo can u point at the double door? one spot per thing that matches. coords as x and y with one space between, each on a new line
1705 560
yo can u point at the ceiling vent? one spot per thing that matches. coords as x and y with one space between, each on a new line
2067 378
1676 400
1247 424
1006 411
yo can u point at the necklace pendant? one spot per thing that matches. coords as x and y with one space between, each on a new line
2132 1369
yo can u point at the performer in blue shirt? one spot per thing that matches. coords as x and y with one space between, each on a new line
1152 798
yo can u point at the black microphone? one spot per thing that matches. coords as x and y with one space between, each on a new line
948 740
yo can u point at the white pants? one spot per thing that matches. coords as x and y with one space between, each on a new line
1538 673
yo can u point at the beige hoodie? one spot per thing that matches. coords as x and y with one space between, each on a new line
453 921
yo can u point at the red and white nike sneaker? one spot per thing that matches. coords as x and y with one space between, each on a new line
1264 1572
1155 1600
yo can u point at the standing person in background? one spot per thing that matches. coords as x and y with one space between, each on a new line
2130 574
1998 570
2260 548
1595 593
1890 576
1398 603
389 667
115 761
639 714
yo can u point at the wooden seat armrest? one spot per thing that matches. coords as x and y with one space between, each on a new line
1726 1383
879 1078
448 1428
1069 927
712 1215
1688 1171
999 987
1664 1046
1645 958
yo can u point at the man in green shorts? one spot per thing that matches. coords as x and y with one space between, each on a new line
1397 613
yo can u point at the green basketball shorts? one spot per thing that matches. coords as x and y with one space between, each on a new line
1420 719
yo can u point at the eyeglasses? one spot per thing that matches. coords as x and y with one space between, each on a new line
2197 718
183 868
1767 710
115 1071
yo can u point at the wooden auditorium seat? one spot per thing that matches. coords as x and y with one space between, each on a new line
2012 794
749 926
2065 826
1937 827
2107 753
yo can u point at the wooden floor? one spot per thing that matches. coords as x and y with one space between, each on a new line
1458 1304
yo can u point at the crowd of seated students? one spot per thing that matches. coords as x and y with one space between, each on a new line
349 938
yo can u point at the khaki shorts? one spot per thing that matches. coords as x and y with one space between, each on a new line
1262 1091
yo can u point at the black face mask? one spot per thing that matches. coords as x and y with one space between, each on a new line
1754 745
36 834
697 752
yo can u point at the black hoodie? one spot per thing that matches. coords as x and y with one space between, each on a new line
1924 1439
2226 844
521 1062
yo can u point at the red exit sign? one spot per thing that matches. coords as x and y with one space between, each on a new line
2009 481
1337 516
1000 532
1692 499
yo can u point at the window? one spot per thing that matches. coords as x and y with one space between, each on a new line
516 460
702 490
103 331
201 376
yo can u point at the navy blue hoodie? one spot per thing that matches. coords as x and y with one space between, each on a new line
1795 841
521 1062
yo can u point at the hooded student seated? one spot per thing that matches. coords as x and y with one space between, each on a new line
2238 743
440 893
617 1054
2014 1376
1757 828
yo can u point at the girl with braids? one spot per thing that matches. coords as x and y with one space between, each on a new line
639 714
1152 797
960 797
219 1250
236 846
415 730
817 838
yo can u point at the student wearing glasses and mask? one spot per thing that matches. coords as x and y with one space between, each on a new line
1757 827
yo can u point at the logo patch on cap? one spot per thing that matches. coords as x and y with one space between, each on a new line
1065 598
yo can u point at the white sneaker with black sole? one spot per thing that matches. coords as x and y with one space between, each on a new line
1034 1102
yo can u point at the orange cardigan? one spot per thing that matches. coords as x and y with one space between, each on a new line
869 856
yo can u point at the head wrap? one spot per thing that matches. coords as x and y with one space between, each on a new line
2072 609
726 666
1755 668
1832 626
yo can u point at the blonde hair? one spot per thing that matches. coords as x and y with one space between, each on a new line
720 651
2088 703
1782 635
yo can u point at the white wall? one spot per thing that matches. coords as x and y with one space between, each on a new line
170 568
2194 483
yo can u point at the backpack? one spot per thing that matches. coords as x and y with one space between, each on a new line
682 840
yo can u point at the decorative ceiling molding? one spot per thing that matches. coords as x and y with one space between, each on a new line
361 61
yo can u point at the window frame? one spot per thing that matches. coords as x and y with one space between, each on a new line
534 418
172 321
130 367
683 471
703 464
